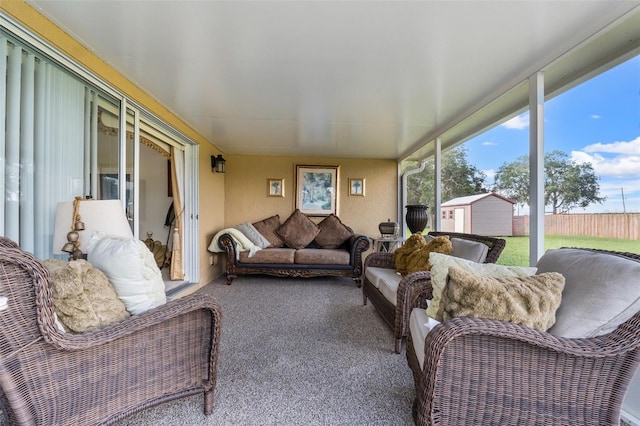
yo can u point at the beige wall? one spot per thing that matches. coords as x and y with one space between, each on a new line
247 200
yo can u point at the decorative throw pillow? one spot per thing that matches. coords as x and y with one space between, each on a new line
333 233
253 235
440 264
131 268
267 227
83 297
400 255
298 230
419 259
531 301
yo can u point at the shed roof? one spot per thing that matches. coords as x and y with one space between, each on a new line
470 199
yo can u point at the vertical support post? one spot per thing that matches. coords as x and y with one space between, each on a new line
437 187
536 167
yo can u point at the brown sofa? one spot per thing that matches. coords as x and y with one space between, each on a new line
295 249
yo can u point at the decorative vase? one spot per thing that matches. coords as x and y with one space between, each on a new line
388 228
417 217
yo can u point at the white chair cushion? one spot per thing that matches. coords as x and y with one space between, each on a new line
601 291
388 286
375 275
419 325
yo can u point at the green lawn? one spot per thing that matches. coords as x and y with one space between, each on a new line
517 250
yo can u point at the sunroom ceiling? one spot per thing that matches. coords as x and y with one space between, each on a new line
367 79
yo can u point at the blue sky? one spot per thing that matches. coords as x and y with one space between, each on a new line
597 122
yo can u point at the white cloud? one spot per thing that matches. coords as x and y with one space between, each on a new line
489 143
609 166
620 147
595 116
520 122
611 159
490 174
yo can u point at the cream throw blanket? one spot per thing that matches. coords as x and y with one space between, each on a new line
243 243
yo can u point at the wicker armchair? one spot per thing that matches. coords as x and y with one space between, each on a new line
486 372
48 377
415 289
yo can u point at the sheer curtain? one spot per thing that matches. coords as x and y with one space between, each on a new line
41 145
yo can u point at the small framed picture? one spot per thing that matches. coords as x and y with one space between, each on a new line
275 187
356 187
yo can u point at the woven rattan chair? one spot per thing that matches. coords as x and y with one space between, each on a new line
486 372
48 377
415 288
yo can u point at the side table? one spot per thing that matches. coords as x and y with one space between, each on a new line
387 244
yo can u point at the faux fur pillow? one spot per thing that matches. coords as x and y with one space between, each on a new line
401 254
419 259
83 297
531 301
440 264
333 233
267 227
298 230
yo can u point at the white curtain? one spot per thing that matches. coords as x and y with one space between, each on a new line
41 146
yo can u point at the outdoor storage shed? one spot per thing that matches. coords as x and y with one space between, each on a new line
484 214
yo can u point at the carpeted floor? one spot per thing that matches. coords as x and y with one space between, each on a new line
298 352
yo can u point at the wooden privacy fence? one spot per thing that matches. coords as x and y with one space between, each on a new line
625 226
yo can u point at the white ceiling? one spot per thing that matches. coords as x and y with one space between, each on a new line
367 79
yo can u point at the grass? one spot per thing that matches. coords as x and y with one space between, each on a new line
517 250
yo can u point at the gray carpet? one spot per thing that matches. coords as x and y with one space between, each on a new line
298 352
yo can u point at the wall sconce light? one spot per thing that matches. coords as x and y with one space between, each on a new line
218 164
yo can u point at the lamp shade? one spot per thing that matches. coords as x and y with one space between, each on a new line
97 215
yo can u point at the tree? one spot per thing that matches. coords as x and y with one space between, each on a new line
459 179
567 185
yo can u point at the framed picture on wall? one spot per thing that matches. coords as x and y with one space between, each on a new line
356 187
317 190
275 187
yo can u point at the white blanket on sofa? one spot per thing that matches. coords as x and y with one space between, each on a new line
242 242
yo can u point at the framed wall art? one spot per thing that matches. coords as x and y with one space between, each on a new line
356 187
275 187
317 190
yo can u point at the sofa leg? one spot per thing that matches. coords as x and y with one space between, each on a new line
398 347
230 278
208 398
364 299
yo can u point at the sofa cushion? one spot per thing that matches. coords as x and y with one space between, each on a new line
250 231
466 249
333 233
267 227
131 268
440 264
419 326
271 255
298 230
601 291
313 256
419 259
401 254
83 297
531 301
375 275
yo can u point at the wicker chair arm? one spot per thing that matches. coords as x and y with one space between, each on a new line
466 358
379 260
135 323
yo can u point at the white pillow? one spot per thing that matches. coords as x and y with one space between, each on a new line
440 264
252 234
131 268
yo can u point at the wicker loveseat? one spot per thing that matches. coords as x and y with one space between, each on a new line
486 372
296 248
380 286
49 377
